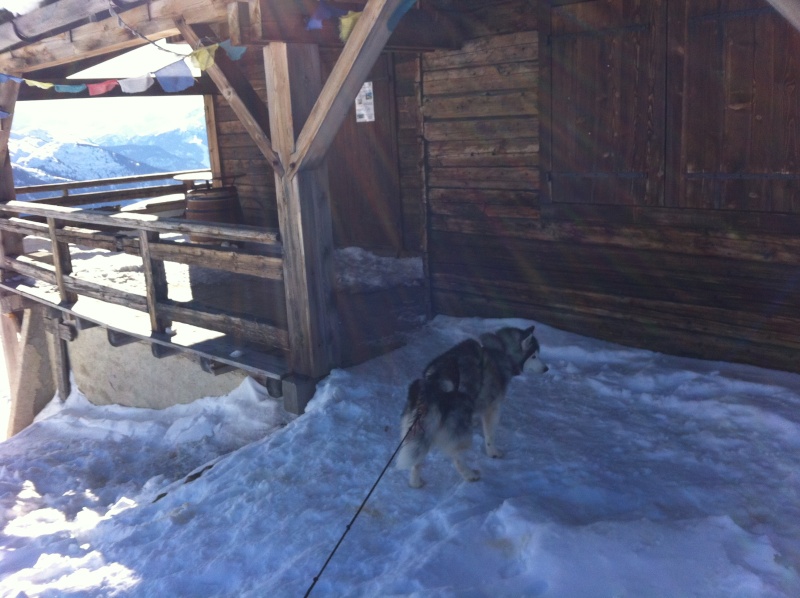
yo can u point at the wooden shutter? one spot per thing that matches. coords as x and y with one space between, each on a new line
735 105
603 104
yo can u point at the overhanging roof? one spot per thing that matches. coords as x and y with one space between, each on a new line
76 30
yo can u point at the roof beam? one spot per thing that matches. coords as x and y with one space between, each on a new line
154 21
286 22
362 49
790 9
45 20
239 95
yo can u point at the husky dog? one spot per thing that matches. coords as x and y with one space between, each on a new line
469 379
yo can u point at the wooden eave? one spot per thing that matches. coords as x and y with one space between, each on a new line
58 34
789 9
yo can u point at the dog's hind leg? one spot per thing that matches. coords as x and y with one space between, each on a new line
456 446
414 478
469 474
489 419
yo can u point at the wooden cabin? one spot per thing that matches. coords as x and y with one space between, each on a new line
622 169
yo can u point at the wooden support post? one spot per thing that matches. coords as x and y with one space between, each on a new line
10 304
62 263
61 354
215 368
10 243
34 381
155 278
239 23
119 339
293 84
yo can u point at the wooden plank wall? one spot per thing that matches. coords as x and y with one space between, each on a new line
676 281
238 155
410 149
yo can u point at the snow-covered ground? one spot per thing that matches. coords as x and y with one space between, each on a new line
627 473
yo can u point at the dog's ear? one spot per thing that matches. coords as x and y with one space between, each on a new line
528 339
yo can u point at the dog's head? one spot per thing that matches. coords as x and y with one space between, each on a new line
521 347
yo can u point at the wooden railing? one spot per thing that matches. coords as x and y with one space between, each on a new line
67 199
249 250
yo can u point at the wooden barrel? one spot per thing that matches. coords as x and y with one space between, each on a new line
215 204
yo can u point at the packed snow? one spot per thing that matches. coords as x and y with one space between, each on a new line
627 473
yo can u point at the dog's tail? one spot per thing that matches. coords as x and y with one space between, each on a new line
416 428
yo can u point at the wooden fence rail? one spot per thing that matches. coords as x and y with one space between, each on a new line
236 249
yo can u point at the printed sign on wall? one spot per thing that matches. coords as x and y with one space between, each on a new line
365 104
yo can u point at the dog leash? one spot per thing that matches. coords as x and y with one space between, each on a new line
363 503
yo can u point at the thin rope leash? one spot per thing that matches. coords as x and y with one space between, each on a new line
363 503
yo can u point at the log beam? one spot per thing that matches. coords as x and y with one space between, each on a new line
362 49
154 20
293 76
790 9
235 94
10 243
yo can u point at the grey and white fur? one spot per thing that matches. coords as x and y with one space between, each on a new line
468 380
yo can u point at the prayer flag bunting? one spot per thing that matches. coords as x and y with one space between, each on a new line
137 84
39 84
203 58
398 13
323 12
346 24
175 77
172 78
4 78
70 88
96 89
233 52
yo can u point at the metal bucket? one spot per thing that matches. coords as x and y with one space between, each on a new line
216 204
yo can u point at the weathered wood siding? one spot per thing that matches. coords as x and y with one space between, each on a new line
410 149
240 159
657 257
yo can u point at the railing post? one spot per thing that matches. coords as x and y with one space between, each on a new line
155 277
62 262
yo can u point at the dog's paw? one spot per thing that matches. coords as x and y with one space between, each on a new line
471 475
494 452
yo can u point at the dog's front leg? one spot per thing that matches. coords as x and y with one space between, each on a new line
414 478
489 419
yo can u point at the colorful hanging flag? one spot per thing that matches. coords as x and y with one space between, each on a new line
137 84
324 12
4 78
70 88
398 13
346 24
233 52
203 58
96 89
39 84
175 77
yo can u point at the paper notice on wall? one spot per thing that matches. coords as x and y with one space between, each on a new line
365 104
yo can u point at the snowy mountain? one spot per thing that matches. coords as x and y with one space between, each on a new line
38 158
